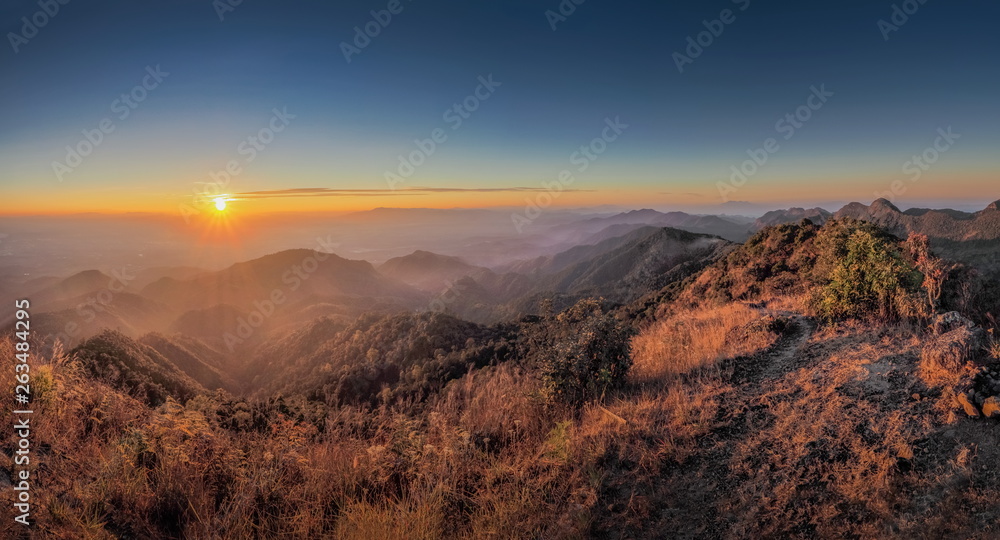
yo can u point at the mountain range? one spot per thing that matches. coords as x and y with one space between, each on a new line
201 319
950 225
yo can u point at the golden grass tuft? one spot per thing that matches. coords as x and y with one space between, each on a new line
692 340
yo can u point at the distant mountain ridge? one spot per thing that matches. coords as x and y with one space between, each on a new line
620 270
818 216
554 263
616 256
79 284
295 273
427 271
640 265
700 224
936 224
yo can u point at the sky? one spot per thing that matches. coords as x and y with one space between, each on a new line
559 103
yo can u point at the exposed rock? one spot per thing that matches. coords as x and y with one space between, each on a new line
991 407
966 404
946 322
952 349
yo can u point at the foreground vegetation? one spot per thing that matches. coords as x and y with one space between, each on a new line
793 389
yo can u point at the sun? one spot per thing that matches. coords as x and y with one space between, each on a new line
220 204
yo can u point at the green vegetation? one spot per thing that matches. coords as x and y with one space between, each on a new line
580 354
849 268
870 278
777 260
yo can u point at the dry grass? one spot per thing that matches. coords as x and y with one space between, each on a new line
412 519
692 340
800 303
831 445
992 346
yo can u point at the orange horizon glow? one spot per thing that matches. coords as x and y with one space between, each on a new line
776 191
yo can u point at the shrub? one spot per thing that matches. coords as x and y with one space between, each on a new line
934 270
992 342
870 278
581 353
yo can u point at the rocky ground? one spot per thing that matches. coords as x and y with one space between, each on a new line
843 431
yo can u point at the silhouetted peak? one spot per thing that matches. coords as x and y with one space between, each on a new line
87 275
289 258
885 204
86 280
421 254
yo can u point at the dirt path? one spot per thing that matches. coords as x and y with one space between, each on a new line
782 357
707 485
785 355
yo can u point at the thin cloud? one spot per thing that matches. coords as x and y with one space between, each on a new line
681 194
330 192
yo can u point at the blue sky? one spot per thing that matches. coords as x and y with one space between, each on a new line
605 60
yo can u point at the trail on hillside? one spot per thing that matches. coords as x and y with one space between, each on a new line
697 484
782 357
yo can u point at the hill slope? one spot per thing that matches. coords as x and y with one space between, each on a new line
183 353
618 269
791 215
427 271
710 225
137 369
295 274
385 358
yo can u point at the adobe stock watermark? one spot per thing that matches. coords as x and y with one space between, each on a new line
363 35
582 159
452 291
919 163
454 117
900 16
787 125
291 280
249 149
123 106
30 26
222 7
714 29
562 12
